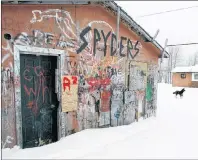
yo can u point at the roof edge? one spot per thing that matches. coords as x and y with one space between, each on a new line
136 26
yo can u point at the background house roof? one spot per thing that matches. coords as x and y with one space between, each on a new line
185 69
109 5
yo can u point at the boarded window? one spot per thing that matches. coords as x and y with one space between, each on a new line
183 75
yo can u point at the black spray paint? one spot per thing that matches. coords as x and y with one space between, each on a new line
105 41
121 46
97 38
85 43
113 38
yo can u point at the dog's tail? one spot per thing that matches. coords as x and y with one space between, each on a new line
174 92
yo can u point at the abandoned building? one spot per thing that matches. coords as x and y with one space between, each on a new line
73 66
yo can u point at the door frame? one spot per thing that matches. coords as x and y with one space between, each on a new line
19 49
128 79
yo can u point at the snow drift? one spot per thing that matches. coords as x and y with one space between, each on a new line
172 134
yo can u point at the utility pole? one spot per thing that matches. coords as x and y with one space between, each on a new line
161 61
170 66
156 34
117 31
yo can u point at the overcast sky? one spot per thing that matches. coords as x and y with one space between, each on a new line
178 27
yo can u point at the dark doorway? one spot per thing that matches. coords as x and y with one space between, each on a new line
38 100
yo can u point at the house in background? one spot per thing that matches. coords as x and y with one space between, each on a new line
185 76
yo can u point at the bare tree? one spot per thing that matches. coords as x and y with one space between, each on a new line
193 59
175 59
189 63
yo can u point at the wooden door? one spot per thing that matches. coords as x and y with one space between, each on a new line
38 100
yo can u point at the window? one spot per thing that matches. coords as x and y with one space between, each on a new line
183 76
194 76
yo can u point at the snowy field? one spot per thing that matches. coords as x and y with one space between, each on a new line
172 134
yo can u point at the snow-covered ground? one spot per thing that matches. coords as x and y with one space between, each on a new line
172 134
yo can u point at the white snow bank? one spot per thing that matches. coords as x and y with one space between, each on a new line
172 134
79 144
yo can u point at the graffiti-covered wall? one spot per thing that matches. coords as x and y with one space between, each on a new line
109 88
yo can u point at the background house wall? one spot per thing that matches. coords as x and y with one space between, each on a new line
177 81
194 84
60 27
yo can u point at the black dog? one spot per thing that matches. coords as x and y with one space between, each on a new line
179 92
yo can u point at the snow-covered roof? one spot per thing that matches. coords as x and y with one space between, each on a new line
186 69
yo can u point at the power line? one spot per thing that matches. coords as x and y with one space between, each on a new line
167 11
184 44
